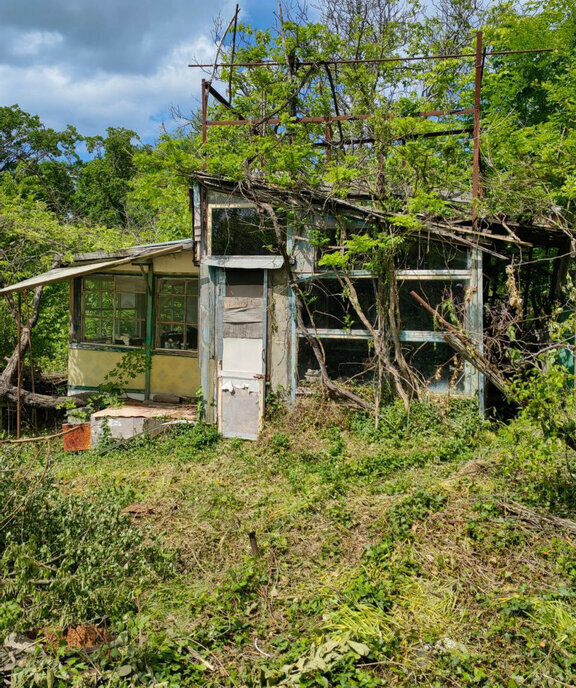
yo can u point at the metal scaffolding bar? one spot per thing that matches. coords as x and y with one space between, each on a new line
308 63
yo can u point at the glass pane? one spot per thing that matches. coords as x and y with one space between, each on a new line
344 358
131 306
192 287
241 232
93 300
98 330
192 309
126 301
433 255
97 282
168 286
330 307
439 365
170 336
130 284
129 332
448 296
167 310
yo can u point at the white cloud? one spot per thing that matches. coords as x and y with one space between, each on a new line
92 102
110 62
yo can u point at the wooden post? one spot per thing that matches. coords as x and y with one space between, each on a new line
254 544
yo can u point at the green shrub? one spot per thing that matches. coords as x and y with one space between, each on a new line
67 558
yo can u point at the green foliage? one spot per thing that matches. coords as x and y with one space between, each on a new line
540 444
69 558
129 367
331 663
104 181
201 435
410 572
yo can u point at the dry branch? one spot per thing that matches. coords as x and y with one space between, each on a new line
466 347
537 519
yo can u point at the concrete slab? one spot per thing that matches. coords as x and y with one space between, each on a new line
136 418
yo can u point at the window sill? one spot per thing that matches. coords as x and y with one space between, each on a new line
187 353
102 346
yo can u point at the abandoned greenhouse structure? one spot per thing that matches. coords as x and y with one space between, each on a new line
216 312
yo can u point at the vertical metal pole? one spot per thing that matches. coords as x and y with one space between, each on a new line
204 127
476 187
19 369
476 194
236 13
32 380
149 330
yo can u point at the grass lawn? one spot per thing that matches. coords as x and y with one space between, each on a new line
386 557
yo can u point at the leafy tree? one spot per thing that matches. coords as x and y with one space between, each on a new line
41 160
158 198
104 182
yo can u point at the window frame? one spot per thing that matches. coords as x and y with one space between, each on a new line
112 345
468 275
157 322
228 206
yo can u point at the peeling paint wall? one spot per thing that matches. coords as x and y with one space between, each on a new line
279 330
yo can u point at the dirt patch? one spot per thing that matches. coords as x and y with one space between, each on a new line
82 637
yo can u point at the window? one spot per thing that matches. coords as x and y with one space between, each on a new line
114 309
240 231
437 293
442 274
344 359
433 255
329 306
177 314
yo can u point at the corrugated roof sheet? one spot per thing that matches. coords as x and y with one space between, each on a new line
86 268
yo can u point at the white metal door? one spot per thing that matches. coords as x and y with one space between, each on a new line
241 368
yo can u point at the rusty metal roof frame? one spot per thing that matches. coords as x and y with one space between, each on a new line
479 56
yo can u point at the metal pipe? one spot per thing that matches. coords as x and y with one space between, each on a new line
32 379
416 135
19 370
331 118
204 122
376 60
476 189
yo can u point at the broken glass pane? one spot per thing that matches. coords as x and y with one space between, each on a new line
439 366
448 296
241 232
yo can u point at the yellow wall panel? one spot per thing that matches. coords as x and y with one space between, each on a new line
176 263
175 375
88 368
169 375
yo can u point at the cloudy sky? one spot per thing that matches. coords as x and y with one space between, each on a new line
99 63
